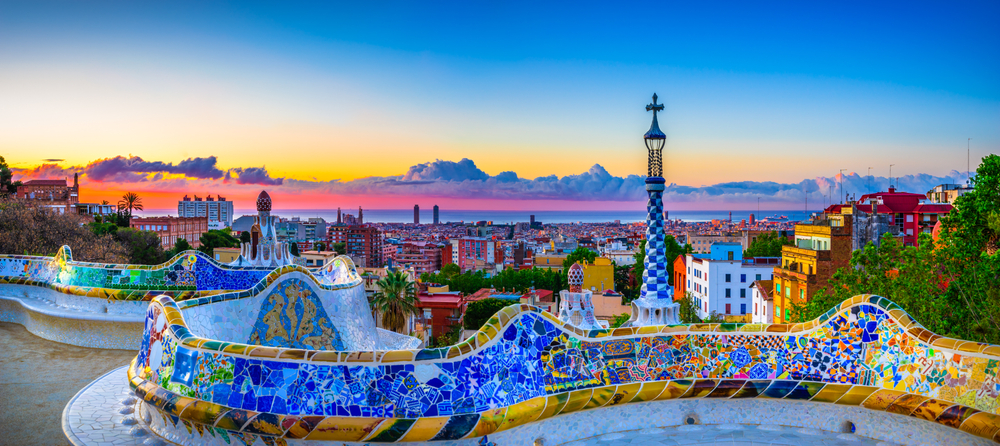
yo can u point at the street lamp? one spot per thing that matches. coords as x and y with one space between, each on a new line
842 183
655 139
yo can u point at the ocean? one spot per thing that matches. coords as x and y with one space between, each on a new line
506 217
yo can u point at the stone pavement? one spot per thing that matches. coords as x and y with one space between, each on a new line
38 377
727 434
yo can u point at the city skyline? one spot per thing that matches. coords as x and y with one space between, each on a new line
335 106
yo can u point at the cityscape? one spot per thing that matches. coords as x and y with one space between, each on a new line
245 240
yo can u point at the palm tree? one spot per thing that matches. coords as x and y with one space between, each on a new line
129 202
395 299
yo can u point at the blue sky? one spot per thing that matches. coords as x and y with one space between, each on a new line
782 91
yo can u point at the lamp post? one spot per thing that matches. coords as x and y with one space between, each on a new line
842 183
869 180
890 174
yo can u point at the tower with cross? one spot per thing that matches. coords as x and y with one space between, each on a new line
655 305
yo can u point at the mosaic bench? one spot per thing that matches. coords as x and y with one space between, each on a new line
524 366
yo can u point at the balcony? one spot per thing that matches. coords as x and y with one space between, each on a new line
793 251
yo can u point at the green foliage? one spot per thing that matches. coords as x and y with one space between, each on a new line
450 270
293 248
180 246
626 283
578 255
480 311
7 186
767 244
619 320
672 249
949 285
245 237
640 261
688 312
142 247
519 281
396 298
340 248
130 202
216 238
320 246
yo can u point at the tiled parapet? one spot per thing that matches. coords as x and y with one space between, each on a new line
188 275
525 366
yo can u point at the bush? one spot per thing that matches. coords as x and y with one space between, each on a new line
480 311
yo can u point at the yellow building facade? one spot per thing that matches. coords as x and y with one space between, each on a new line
598 276
807 266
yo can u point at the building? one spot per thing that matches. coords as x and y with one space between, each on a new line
702 243
437 216
478 252
543 299
821 247
416 214
523 257
599 276
94 209
907 211
171 229
680 277
763 304
549 261
218 210
317 258
363 243
226 255
720 281
947 193
54 195
424 257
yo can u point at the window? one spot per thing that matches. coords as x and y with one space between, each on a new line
727 309
758 277
743 308
777 310
743 278
729 292
802 295
777 287
788 292
730 253
787 316
743 292
728 278
755 308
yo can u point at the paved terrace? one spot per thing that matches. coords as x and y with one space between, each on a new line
38 377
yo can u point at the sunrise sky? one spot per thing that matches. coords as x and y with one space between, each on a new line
494 105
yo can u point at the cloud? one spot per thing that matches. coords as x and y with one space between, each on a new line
253 175
464 180
134 169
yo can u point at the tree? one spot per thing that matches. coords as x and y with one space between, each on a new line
340 248
767 244
245 237
672 249
450 270
7 185
480 311
130 201
640 260
143 247
180 246
688 312
625 282
29 230
320 246
578 255
216 238
293 248
395 299
619 320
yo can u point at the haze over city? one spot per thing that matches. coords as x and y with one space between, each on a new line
474 106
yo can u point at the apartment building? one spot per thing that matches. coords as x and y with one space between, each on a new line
218 210
171 229
720 280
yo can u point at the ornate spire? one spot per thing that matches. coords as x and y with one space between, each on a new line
655 139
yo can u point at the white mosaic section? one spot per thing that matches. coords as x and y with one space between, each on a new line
45 319
103 413
233 320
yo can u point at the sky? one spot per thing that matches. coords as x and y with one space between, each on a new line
496 105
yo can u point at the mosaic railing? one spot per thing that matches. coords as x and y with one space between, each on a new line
524 366
188 275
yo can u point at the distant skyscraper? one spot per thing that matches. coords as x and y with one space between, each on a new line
416 214
436 216
340 218
361 216
532 221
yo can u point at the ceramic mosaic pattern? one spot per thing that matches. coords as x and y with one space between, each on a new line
293 316
188 275
524 366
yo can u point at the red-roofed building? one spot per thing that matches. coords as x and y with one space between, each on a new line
54 195
680 277
540 298
439 311
909 215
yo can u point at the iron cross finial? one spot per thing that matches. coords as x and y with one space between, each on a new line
654 106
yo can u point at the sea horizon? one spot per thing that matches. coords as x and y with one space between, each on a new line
508 217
